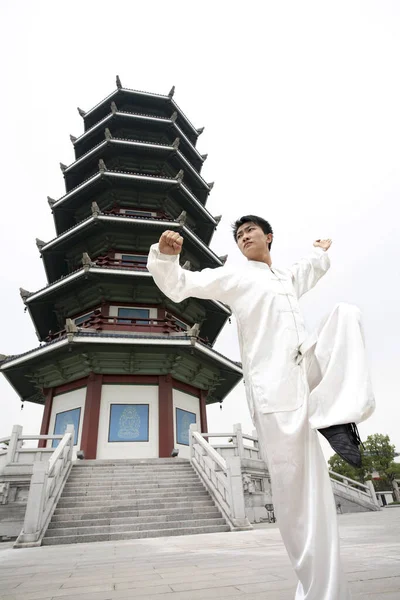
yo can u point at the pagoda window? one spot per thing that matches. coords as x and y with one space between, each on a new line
138 261
134 313
138 213
83 318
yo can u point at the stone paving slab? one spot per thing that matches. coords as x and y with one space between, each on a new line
250 565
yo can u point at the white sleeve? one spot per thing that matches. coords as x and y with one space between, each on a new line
178 283
308 271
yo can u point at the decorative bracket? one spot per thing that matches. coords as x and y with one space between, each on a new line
179 176
73 138
174 116
25 294
223 258
102 166
63 167
187 265
40 244
114 108
218 219
81 112
200 130
182 218
107 134
51 201
95 209
176 142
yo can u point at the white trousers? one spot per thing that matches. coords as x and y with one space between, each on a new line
335 366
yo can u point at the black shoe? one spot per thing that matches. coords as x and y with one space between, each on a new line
345 440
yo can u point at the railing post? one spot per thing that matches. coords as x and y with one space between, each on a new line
237 431
13 445
35 504
234 473
372 492
70 429
193 428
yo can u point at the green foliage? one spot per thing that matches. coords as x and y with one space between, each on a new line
378 456
340 466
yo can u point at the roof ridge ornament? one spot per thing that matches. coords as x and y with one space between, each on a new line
176 142
81 112
118 82
63 167
114 108
95 210
107 134
40 244
223 258
193 333
187 265
87 261
102 166
25 294
174 116
70 329
51 201
171 92
200 130
179 176
182 218
73 138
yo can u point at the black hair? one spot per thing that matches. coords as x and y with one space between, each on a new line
265 226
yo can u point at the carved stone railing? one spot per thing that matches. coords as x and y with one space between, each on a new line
222 477
46 484
354 491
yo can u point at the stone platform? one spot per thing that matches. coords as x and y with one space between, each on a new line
250 565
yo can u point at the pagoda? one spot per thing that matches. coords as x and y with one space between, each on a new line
128 367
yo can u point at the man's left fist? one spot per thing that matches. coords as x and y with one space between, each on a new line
324 244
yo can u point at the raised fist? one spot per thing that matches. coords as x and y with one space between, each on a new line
170 243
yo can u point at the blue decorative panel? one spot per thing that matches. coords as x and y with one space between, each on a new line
134 313
184 419
68 417
129 423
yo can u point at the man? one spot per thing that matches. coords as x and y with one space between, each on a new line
295 385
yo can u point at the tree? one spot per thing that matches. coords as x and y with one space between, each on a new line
340 466
377 456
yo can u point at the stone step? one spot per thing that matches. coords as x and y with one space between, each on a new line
155 518
65 514
139 479
134 469
97 463
148 496
125 504
121 485
130 535
147 526
133 489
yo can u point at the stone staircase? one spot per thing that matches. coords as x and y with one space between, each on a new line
105 500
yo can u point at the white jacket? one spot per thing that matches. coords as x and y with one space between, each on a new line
271 329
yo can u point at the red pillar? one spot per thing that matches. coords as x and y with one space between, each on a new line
203 411
165 416
48 403
90 426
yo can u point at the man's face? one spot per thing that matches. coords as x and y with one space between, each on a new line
252 241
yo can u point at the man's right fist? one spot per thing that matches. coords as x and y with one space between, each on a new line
170 243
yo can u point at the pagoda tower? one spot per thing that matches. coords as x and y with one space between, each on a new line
128 367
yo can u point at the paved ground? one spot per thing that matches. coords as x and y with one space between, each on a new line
251 565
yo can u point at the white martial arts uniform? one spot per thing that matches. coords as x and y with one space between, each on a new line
294 385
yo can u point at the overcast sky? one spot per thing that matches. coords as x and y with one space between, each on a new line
300 103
